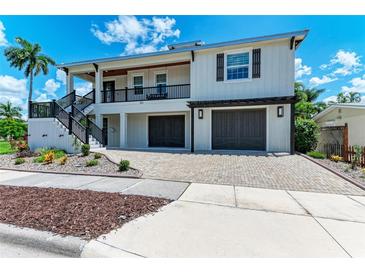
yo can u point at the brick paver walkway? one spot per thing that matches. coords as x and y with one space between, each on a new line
287 172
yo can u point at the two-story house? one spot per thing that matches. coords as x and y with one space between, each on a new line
235 95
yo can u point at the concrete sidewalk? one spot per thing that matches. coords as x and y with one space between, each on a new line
147 187
227 221
221 221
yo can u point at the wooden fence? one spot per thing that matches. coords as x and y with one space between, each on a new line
346 152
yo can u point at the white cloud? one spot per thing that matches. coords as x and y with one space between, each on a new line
137 36
61 76
329 99
300 69
357 85
51 86
345 63
3 41
13 90
316 81
83 88
43 97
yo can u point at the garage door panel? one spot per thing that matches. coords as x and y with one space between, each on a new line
166 131
239 129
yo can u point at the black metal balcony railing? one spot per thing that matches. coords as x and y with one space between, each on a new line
146 93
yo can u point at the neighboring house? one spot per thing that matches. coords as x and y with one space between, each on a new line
195 96
337 115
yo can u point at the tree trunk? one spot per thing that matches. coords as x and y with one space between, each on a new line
30 86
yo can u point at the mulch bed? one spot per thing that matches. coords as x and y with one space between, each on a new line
74 164
81 213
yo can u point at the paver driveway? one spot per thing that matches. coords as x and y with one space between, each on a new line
287 172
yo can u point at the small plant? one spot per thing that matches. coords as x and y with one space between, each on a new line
19 161
49 157
85 150
97 155
62 161
336 158
123 165
92 163
357 156
316 154
22 146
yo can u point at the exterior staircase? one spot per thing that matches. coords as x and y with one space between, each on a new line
70 113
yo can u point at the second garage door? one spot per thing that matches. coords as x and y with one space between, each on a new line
239 129
166 131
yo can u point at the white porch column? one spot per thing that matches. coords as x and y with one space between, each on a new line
98 83
99 120
123 129
69 83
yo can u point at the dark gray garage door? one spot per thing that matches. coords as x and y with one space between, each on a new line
239 129
166 131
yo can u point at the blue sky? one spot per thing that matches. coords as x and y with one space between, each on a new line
331 57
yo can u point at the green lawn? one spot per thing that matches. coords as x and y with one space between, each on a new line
5 147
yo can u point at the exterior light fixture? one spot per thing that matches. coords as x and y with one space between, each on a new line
200 114
280 111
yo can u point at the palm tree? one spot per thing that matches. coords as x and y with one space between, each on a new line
351 97
29 58
8 111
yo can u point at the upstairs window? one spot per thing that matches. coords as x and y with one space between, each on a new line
161 82
138 84
238 66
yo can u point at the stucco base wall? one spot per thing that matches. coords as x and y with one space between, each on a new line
46 132
277 128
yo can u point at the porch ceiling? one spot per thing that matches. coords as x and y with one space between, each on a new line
124 71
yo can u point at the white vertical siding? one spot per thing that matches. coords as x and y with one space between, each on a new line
277 75
175 75
56 135
113 130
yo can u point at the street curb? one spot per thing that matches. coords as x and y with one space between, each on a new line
347 178
44 240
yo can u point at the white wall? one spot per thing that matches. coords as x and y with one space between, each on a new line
277 128
176 75
277 75
113 130
355 119
57 135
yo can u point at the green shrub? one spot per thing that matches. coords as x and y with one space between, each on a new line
306 135
85 150
316 154
19 161
123 165
92 163
97 155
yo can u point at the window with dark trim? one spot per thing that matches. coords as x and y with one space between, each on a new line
138 84
237 66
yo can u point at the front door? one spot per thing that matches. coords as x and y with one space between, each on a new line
105 129
108 88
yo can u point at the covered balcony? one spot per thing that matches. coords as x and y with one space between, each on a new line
137 83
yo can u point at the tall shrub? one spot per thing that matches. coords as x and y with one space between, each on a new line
306 135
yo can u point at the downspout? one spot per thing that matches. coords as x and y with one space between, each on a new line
292 128
192 129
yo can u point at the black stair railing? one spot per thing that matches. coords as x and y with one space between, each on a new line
94 130
85 101
67 100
